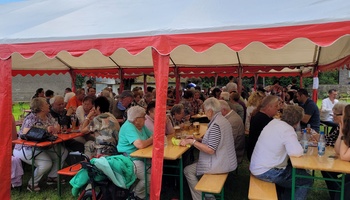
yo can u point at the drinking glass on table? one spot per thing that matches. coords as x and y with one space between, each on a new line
73 121
177 132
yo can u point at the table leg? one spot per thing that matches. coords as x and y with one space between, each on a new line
59 155
342 186
293 182
181 179
33 163
146 185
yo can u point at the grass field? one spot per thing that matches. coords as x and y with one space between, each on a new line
236 186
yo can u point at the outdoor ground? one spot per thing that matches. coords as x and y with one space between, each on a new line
236 186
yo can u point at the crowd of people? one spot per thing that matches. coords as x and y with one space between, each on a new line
269 117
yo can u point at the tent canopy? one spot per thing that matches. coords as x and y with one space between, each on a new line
165 36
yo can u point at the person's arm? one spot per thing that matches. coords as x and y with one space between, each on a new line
306 118
140 144
292 144
344 151
200 146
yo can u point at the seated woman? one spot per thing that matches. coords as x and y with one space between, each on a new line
216 151
135 135
337 118
177 115
103 126
276 143
149 123
44 161
341 147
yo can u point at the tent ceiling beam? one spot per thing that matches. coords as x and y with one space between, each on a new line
65 63
114 62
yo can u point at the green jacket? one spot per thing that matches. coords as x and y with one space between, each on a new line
119 169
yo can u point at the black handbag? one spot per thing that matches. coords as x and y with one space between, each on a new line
38 134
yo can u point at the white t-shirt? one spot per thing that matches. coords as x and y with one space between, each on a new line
80 114
68 95
326 109
277 141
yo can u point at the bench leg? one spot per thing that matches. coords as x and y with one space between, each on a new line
221 194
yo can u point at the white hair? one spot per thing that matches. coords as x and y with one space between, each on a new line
213 104
135 112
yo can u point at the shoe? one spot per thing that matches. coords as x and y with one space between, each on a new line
35 189
53 180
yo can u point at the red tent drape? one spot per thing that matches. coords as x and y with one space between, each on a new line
161 71
6 126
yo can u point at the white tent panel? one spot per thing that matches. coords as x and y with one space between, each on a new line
37 62
340 49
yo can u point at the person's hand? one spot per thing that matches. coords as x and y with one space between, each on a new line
189 137
92 113
70 111
51 129
185 142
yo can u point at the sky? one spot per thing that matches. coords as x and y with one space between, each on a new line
8 1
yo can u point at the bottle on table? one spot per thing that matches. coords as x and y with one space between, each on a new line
321 144
304 142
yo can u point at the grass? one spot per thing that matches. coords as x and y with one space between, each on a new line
236 186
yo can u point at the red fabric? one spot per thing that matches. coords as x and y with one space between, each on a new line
314 91
161 71
6 128
321 34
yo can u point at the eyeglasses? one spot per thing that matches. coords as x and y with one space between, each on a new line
334 114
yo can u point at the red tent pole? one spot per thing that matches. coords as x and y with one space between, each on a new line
121 77
73 76
239 85
6 127
315 85
161 72
177 86
145 83
255 81
301 81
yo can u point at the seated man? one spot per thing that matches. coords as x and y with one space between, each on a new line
134 135
276 143
326 113
312 114
76 100
237 128
120 107
216 151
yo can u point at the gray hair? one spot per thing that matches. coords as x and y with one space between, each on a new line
224 105
36 104
177 109
135 112
292 114
213 104
225 96
339 107
54 98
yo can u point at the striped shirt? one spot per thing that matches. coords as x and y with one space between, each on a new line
214 137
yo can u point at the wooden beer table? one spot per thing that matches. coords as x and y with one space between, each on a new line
60 138
171 152
329 162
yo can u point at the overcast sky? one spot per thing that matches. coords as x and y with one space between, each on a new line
8 1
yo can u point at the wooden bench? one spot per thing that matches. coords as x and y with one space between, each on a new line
212 184
261 190
70 170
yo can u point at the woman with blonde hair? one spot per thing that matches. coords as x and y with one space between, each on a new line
254 101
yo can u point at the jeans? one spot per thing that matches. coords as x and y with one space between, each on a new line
283 178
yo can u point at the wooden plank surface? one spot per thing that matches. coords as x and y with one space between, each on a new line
328 162
211 183
261 190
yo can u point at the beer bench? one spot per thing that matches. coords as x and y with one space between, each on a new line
261 190
212 184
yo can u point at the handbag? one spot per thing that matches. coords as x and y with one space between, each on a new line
38 134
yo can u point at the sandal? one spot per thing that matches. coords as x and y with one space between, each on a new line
35 189
53 180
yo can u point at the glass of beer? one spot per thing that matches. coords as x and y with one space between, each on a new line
177 132
187 125
196 127
73 119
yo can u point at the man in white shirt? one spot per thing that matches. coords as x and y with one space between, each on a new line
326 112
67 95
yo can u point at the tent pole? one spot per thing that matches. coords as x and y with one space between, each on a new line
177 86
161 73
240 71
315 85
216 80
121 77
145 83
6 127
255 81
73 77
